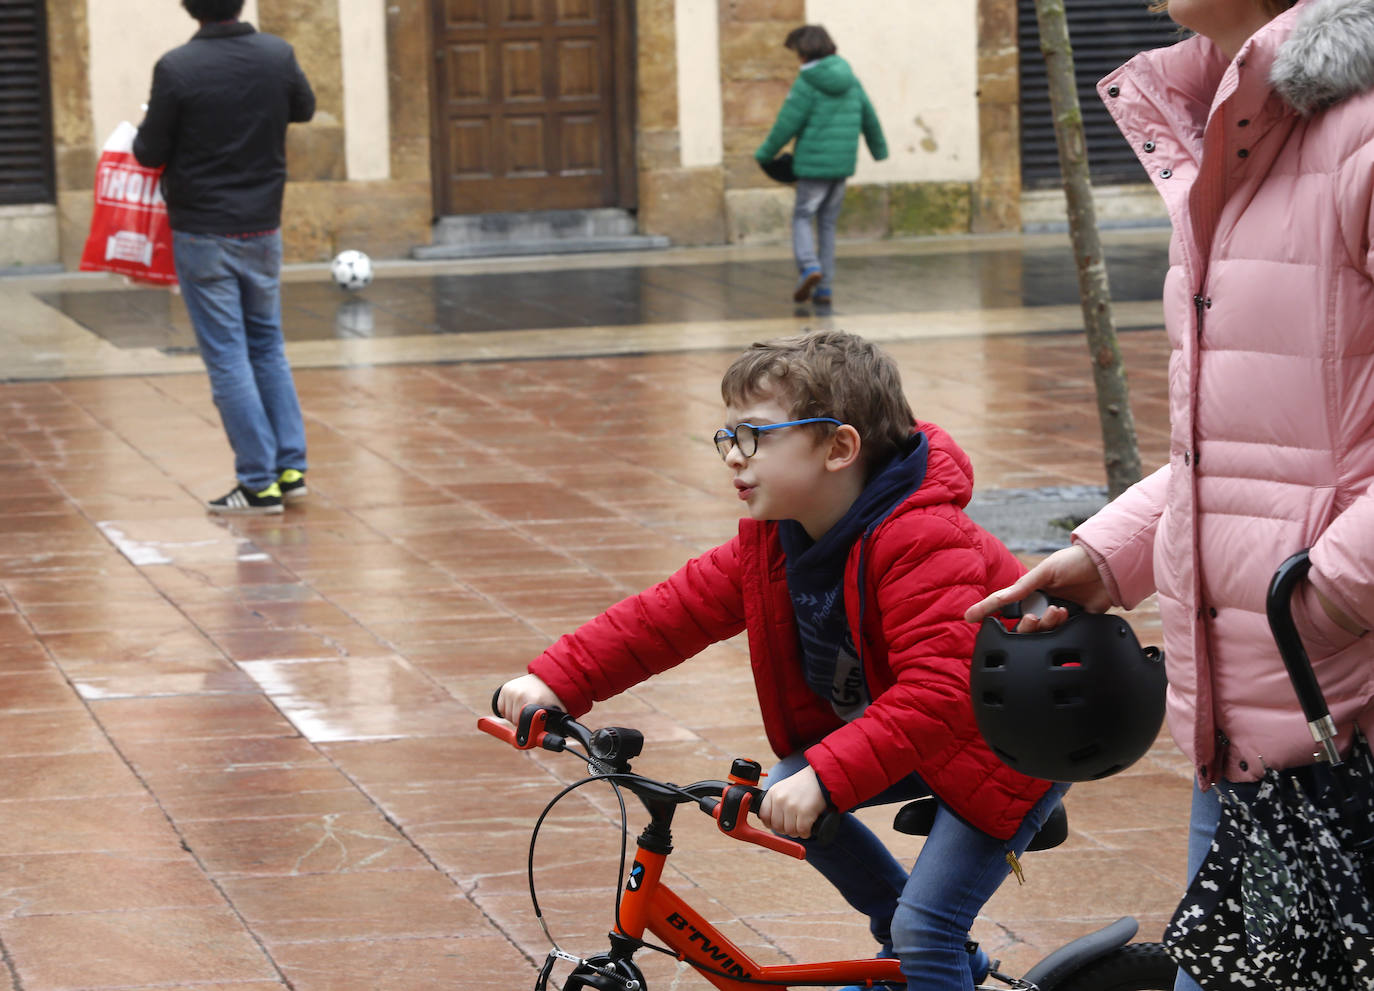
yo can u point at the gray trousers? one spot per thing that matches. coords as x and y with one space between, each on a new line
818 200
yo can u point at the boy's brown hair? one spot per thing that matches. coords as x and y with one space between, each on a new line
810 42
829 373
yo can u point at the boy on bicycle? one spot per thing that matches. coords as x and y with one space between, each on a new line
851 576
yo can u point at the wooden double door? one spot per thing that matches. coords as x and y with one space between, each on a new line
532 105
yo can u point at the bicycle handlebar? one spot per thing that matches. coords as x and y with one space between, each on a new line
612 747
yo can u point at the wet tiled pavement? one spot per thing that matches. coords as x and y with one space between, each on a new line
623 295
241 755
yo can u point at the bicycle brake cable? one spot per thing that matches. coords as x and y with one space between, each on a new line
612 778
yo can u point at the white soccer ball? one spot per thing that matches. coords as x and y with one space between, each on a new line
352 270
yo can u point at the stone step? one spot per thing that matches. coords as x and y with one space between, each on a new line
536 233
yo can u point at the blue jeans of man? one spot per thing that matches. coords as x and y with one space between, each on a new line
232 289
922 918
818 200
1203 821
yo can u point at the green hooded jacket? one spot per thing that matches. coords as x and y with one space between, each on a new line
825 110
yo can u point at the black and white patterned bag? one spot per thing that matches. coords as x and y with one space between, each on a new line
1283 900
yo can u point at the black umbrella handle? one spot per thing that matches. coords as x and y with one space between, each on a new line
1278 606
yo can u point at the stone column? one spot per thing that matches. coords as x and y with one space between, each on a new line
756 73
686 204
997 194
73 129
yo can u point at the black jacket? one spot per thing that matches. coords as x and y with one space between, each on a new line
217 119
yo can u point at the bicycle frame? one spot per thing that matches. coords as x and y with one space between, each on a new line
649 904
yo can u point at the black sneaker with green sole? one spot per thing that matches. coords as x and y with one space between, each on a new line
292 485
241 501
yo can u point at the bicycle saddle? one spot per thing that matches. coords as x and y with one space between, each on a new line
915 819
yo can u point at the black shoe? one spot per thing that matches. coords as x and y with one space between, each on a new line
292 484
240 501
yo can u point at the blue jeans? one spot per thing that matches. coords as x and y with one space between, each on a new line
1203 821
232 288
923 919
819 200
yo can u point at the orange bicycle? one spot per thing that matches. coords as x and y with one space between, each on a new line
1105 960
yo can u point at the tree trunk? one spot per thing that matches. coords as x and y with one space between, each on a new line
1120 453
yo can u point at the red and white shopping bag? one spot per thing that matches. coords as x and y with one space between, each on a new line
129 230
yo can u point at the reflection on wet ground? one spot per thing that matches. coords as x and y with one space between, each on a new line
396 305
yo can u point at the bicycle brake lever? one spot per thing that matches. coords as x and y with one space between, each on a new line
737 825
528 735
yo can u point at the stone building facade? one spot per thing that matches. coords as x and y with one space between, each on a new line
699 83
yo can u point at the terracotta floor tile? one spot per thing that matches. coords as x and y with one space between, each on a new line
155 759
33 691
424 634
122 949
25 658
361 905
286 644
210 581
327 723
95 685
14 629
149 613
479 962
319 844
78 775
68 883
185 649
88 825
446 603
352 680
533 501
419 759
255 792
122 581
190 717
383 581
51 731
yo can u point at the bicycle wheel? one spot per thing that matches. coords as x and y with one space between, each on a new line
1133 967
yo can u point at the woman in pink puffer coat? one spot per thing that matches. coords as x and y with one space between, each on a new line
1259 134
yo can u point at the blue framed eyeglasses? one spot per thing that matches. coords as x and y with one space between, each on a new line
745 436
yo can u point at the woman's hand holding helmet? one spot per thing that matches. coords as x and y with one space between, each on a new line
1066 574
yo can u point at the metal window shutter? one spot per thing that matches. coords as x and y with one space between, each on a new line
26 160
1105 34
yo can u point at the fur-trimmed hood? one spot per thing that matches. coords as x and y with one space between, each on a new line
1328 57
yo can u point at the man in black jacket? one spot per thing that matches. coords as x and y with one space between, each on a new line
217 120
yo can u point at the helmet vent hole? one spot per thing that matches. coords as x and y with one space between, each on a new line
1085 753
993 700
1066 699
1066 658
995 659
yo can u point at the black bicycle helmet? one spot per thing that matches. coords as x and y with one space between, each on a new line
1076 703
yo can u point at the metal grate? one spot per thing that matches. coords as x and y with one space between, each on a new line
26 159
1105 34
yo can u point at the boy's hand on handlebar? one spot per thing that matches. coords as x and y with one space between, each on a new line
528 689
792 806
1066 574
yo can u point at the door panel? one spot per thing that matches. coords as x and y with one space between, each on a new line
527 115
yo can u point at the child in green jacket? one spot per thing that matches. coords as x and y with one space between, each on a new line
825 111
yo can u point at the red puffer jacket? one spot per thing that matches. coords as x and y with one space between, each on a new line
907 585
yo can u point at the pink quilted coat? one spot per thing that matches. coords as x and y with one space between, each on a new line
1266 164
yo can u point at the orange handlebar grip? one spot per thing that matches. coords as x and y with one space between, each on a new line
759 837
